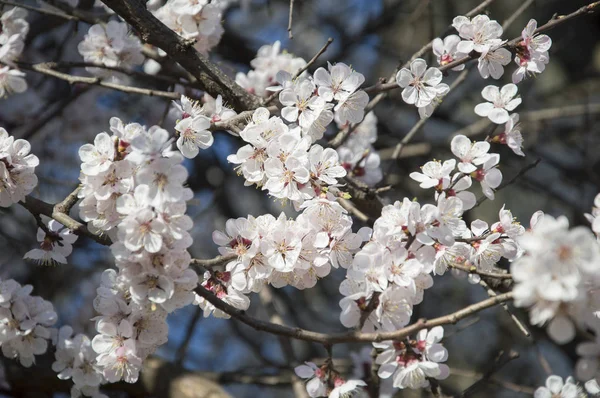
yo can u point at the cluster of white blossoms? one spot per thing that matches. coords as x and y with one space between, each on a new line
357 154
532 53
133 189
13 29
197 20
56 243
483 35
557 277
75 359
411 363
268 62
17 169
282 159
110 45
555 387
423 86
281 251
313 102
25 322
193 123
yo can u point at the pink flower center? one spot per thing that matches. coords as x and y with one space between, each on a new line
446 59
478 175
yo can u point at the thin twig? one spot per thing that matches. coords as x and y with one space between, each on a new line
55 111
191 327
80 17
494 380
514 318
474 270
511 181
290 35
417 127
519 11
67 203
541 115
501 360
349 206
213 262
303 69
47 69
36 207
126 71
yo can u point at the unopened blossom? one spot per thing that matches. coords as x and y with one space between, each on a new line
193 135
421 84
501 101
446 51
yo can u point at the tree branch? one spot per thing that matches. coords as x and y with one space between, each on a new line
46 68
37 207
336 338
392 85
210 76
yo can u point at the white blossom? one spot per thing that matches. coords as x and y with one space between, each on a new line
501 101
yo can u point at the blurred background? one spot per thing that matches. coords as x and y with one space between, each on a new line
559 113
